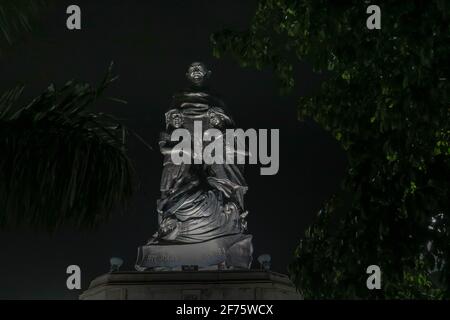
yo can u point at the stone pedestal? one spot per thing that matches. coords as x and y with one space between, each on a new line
192 285
231 251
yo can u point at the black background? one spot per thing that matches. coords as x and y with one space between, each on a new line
151 44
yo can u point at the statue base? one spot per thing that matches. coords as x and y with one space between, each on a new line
192 285
234 251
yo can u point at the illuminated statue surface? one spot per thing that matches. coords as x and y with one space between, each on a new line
201 211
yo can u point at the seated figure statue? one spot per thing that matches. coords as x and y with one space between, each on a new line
201 212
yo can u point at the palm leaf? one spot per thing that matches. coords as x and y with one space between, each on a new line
17 17
61 163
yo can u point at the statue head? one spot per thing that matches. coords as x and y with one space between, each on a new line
198 73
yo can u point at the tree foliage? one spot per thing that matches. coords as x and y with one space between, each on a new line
61 163
16 18
386 100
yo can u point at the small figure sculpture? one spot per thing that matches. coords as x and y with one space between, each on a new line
201 211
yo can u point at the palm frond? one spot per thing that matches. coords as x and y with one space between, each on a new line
61 163
17 17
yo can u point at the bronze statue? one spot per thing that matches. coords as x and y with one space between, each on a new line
201 211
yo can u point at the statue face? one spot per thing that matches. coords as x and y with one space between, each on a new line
177 121
198 73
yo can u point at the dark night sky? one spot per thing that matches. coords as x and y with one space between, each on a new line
151 43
